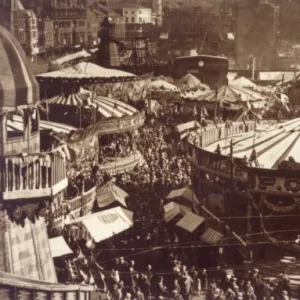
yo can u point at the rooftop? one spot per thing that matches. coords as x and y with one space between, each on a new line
121 5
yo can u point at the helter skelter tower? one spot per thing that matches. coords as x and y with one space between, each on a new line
29 178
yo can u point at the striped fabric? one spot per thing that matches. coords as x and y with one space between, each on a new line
107 107
70 100
18 87
232 95
275 145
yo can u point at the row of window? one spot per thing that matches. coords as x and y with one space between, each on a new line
132 12
135 20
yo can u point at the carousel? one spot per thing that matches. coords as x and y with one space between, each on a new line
96 101
250 172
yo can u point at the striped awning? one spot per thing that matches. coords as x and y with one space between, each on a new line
70 100
112 108
18 87
211 236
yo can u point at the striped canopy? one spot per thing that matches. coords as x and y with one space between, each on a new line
18 87
229 94
107 107
272 145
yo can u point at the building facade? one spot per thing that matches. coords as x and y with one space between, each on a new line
138 19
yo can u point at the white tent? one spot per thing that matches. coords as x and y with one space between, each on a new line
190 82
243 82
161 85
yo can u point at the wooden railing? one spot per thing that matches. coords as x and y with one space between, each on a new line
80 205
32 175
16 287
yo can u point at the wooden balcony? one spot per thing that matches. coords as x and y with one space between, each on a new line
32 175
16 287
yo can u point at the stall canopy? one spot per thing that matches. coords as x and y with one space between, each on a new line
173 209
107 223
243 82
185 193
110 193
161 85
87 71
185 128
59 247
211 236
190 222
191 82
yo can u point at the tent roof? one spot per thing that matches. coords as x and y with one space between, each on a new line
186 193
161 85
242 82
211 236
111 222
191 82
190 222
109 193
87 70
229 94
59 247
173 209
67 58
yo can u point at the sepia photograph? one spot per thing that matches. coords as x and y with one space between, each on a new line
149 150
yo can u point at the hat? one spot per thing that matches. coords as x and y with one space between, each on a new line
255 270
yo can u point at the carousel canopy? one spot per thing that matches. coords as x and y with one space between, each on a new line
110 193
161 85
191 82
107 107
229 94
273 146
88 72
110 222
59 247
18 87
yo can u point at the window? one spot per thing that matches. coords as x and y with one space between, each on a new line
33 21
133 20
34 35
140 20
140 12
132 12
126 12
126 20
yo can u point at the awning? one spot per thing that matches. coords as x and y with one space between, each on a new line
190 222
59 247
109 193
106 224
212 237
185 128
186 193
70 100
173 209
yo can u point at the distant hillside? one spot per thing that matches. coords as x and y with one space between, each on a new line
205 4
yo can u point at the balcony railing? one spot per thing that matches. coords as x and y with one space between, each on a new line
16 287
32 175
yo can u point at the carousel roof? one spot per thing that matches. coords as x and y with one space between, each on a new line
107 107
18 87
272 145
229 94
88 71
